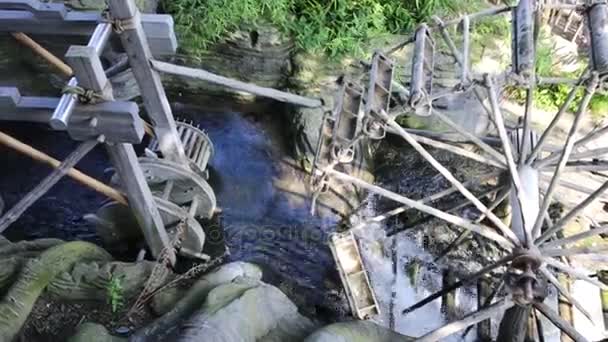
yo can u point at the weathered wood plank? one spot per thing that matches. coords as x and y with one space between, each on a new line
200 74
155 100
118 121
158 27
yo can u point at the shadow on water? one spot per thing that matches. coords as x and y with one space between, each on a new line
262 223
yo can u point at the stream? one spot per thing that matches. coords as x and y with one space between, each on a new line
262 224
263 221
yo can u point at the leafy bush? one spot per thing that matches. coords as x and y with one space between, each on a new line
335 27
552 97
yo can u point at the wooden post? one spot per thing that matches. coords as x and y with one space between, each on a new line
484 328
565 308
157 106
603 276
448 300
87 67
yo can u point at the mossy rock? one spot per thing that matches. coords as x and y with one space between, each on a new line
35 277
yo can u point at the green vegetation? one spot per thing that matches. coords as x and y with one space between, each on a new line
335 27
551 97
115 294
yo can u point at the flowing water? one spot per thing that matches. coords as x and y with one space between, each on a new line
264 222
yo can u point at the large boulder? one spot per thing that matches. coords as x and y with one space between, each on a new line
356 331
246 310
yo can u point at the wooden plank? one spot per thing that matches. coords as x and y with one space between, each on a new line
200 74
39 9
118 121
155 100
158 27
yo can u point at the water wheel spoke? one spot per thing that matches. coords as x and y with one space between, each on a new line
472 137
592 136
485 231
499 122
399 210
468 320
581 166
567 252
502 195
563 109
459 151
527 118
579 274
486 303
577 237
458 284
574 157
564 292
565 154
559 322
559 225
506 231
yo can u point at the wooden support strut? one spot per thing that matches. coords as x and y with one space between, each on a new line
86 64
47 183
136 45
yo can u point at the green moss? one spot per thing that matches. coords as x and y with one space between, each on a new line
35 277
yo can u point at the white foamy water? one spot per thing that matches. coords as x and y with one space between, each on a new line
376 252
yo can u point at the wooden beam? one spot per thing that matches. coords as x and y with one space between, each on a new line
157 106
57 20
203 75
88 71
118 121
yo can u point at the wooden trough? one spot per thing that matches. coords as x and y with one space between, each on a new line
354 277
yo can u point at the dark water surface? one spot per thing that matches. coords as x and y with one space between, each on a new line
261 223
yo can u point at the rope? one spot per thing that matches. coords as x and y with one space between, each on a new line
121 25
86 96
